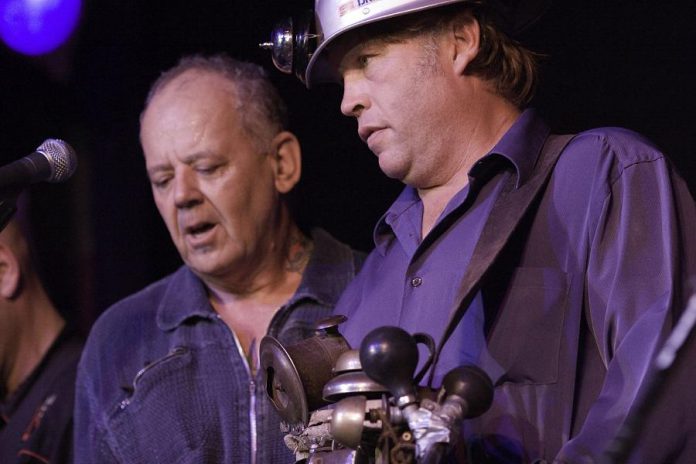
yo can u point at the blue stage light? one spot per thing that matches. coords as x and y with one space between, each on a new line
35 27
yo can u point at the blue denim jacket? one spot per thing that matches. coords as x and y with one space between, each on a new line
163 380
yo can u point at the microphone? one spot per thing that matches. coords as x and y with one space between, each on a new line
53 161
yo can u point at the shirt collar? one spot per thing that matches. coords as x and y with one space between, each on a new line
520 146
331 266
329 269
184 297
14 400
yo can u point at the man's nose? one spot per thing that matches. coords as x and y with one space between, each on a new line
186 191
355 99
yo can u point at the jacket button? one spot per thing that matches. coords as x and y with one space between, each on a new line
416 281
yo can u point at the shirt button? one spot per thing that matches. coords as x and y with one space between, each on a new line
416 281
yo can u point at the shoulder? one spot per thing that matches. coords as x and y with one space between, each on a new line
331 253
56 376
135 309
605 173
49 402
613 149
62 359
126 326
596 161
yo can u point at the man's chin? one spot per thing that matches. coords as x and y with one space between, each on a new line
201 265
392 170
219 267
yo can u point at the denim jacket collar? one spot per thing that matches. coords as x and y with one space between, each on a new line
329 269
186 296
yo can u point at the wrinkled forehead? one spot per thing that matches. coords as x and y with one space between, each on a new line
188 96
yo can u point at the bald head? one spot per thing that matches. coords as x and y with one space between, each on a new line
194 102
262 112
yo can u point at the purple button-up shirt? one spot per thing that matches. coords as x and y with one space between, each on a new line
569 321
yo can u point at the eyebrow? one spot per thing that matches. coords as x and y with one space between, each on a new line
188 160
362 43
151 171
192 158
348 59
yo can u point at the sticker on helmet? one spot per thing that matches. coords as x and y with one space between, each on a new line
346 7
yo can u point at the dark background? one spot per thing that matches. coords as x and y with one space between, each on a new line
618 63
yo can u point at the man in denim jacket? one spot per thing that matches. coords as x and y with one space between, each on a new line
170 373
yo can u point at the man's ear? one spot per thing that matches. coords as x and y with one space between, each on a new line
466 33
287 157
9 273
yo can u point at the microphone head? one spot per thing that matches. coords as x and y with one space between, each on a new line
61 157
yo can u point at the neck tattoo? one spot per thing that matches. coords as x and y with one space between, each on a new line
299 250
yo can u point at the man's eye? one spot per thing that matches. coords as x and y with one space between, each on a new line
363 60
206 169
160 182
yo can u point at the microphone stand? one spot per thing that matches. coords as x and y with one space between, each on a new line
621 446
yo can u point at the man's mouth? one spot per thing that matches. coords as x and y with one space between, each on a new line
373 141
366 132
199 229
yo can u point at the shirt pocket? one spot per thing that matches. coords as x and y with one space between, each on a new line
158 421
525 338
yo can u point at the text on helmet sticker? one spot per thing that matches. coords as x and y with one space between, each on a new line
347 7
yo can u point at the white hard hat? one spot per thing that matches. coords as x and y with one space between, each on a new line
299 46
335 17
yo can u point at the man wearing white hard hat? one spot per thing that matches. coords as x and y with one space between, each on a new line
589 256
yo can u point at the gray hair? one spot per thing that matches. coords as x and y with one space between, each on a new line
262 111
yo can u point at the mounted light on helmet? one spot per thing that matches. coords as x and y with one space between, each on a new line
292 43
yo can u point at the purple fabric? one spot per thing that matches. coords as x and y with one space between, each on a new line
567 325
666 434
